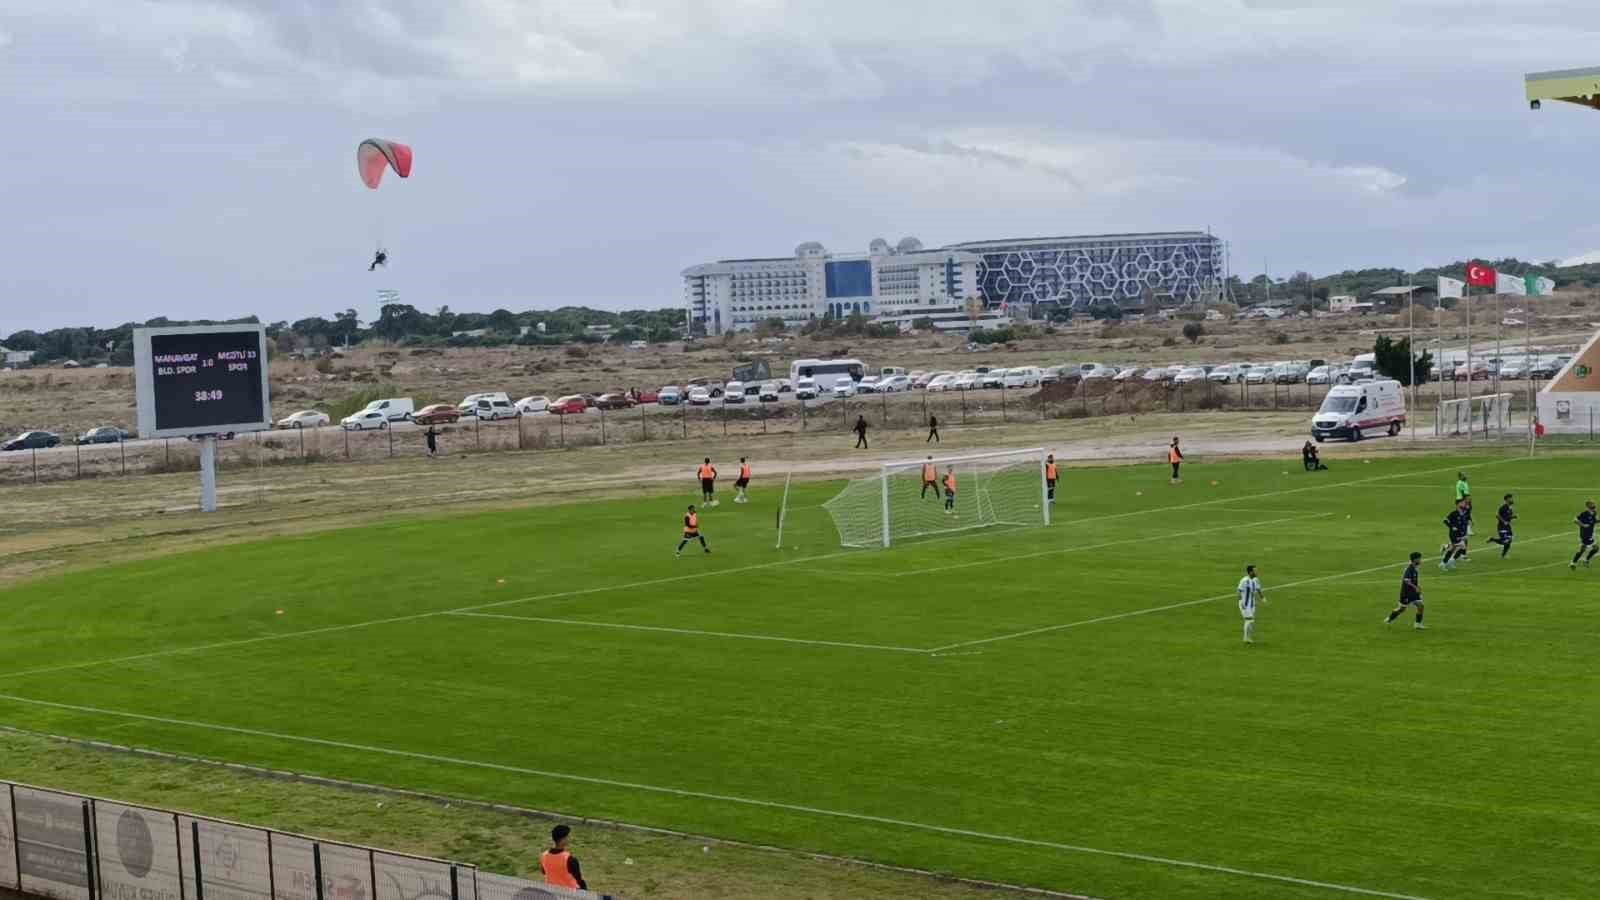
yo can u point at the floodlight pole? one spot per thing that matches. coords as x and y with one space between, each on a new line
1411 354
208 473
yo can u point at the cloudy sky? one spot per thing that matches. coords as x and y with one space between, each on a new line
189 159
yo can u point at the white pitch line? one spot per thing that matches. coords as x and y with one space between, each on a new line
723 798
390 620
1153 609
688 631
1117 543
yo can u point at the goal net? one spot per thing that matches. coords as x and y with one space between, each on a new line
1487 414
895 503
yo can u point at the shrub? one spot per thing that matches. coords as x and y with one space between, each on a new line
574 351
325 365
1169 341
1280 338
1194 331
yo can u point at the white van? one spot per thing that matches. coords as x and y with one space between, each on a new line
1022 377
395 409
1355 410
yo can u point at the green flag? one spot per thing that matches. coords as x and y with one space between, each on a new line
1539 286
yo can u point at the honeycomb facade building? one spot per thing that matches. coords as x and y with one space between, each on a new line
1021 276
1129 270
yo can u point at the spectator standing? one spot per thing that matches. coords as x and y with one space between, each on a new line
559 865
861 432
432 436
933 430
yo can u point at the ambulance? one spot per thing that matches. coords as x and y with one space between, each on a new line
1356 410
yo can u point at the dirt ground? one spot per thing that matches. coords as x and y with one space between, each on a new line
69 401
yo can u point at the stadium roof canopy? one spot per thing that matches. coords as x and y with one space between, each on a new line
1580 86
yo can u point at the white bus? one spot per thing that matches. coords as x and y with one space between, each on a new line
826 372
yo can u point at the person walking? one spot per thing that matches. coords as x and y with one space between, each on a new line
560 867
432 436
1175 458
933 429
861 432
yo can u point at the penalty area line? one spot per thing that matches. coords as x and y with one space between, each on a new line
685 793
688 631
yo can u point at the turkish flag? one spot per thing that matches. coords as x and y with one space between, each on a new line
1538 429
1480 276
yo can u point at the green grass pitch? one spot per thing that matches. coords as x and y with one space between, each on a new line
1117 739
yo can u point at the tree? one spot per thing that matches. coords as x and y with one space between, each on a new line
1105 310
769 327
1393 359
1194 331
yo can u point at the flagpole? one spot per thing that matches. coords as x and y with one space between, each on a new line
1527 374
1469 362
1438 389
1411 352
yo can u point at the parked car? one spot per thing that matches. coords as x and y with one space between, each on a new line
571 404
768 392
1127 373
733 392
305 418
1022 377
1480 371
1098 371
111 434
1290 372
994 378
699 396
1514 370
867 385
365 419
669 396
534 405
843 388
395 409
613 400
490 408
31 440
1190 375
470 405
805 389
1156 373
713 389
1227 373
436 414
895 384
1260 375
1320 375
926 378
963 381
1545 369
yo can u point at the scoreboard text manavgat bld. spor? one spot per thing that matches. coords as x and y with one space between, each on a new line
206 379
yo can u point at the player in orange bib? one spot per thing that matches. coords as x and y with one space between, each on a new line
691 531
1175 457
1050 473
950 491
708 483
930 478
743 482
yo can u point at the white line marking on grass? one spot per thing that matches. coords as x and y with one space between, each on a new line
1275 589
689 631
390 620
722 798
1134 540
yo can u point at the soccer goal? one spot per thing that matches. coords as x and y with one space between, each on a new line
894 504
1487 414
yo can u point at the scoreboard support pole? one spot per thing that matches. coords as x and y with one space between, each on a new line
208 473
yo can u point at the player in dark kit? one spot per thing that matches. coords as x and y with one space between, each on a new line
1586 545
1457 545
1410 592
1502 521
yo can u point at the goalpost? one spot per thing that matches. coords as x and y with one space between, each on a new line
1488 414
893 505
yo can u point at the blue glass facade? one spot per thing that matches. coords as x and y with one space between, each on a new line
851 278
1130 270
